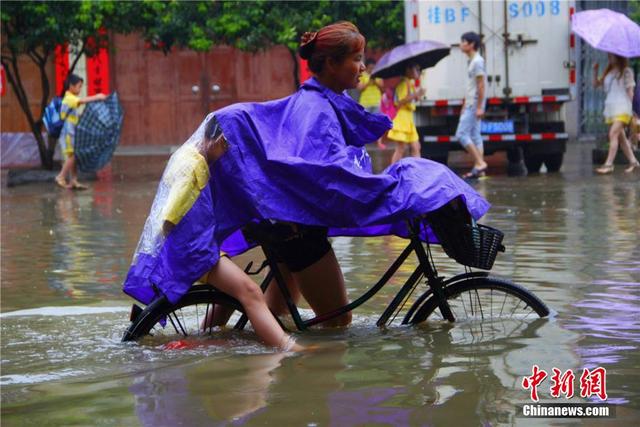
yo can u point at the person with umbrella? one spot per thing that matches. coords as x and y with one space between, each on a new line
618 84
69 113
407 61
619 36
404 130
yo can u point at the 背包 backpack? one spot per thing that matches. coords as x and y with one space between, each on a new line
51 118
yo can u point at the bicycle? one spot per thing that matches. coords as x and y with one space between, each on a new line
470 296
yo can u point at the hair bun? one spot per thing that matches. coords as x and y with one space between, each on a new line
307 41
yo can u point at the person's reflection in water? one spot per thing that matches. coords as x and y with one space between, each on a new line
212 392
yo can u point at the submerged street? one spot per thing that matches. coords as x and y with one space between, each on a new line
572 238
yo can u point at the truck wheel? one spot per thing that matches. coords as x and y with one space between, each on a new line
553 161
533 163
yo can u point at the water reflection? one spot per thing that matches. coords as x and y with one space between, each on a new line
406 377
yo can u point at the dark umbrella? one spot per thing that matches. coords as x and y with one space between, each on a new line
424 53
97 133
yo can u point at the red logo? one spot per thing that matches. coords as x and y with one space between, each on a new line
592 383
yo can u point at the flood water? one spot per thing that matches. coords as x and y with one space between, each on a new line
572 238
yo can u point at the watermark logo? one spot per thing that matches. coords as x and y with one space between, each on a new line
592 383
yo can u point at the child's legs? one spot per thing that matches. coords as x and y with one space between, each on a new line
415 149
230 279
66 168
398 154
66 147
614 134
73 169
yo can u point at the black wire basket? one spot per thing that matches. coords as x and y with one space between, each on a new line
472 245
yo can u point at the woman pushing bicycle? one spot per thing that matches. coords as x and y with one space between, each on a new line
299 160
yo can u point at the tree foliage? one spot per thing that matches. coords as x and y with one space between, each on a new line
35 29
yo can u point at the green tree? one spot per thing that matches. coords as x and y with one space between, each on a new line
258 25
35 29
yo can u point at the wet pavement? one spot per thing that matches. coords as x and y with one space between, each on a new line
572 238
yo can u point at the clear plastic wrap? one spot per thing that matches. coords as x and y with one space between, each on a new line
185 175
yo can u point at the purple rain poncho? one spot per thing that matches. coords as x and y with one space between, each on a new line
299 159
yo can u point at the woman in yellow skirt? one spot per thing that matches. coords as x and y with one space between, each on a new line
404 131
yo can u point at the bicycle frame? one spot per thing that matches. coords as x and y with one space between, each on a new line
425 268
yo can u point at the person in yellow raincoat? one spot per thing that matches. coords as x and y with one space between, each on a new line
404 132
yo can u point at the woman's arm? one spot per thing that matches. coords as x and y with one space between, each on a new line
411 97
629 84
93 98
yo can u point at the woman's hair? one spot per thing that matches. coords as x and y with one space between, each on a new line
71 80
473 38
334 41
212 129
620 64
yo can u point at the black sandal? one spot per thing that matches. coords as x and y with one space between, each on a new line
475 173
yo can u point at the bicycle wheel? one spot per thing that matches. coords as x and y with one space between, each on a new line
186 318
480 298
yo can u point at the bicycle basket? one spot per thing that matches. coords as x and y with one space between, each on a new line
471 245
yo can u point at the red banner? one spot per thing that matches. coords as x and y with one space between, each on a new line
61 60
98 73
3 81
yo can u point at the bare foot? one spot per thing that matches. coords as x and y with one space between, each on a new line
61 182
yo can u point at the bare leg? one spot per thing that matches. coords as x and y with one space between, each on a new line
74 175
61 178
614 134
398 153
476 155
415 149
322 285
229 278
626 149
219 315
275 300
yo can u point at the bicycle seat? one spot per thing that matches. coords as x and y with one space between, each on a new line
267 232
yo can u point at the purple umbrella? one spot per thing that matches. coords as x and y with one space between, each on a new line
424 53
609 31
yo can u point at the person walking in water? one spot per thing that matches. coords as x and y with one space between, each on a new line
71 101
618 84
472 111
404 131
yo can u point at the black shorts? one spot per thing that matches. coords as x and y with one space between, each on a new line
304 249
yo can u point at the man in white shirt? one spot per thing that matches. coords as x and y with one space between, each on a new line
472 111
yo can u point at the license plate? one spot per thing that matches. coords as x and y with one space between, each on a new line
505 126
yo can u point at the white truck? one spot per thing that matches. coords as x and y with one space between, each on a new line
529 54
